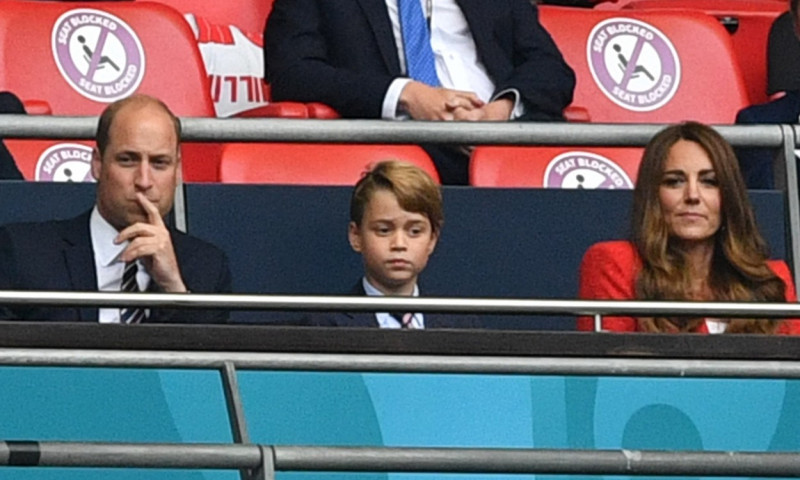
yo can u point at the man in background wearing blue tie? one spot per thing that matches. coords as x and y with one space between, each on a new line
122 243
451 60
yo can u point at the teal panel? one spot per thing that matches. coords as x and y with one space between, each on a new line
521 411
304 408
112 404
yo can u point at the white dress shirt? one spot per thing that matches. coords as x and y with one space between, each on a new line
384 319
108 265
716 326
457 64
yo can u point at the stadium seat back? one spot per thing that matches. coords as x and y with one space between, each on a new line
80 56
649 67
248 15
52 161
70 160
312 164
747 21
555 167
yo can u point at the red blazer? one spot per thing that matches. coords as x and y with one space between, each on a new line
608 272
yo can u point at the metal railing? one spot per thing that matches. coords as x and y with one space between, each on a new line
261 461
380 131
230 301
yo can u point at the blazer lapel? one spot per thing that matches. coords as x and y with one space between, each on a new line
79 259
378 18
358 319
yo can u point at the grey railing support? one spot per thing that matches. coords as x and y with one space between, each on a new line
179 206
266 471
233 405
233 400
793 199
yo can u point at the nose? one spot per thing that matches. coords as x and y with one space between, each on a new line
691 193
143 178
399 240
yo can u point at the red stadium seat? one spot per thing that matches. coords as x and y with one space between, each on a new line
248 15
52 161
649 67
555 167
80 56
311 164
748 22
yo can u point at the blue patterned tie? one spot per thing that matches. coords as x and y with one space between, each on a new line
417 43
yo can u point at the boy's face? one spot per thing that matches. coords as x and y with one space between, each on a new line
395 244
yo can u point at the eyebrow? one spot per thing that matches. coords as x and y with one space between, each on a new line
681 172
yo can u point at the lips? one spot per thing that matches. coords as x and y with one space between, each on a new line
691 215
398 263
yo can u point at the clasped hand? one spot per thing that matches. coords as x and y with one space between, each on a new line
423 102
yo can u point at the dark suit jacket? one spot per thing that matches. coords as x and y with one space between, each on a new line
57 255
343 53
756 163
367 319
9 103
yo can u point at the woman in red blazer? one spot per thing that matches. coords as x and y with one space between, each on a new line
694 238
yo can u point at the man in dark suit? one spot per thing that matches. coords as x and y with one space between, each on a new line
756 163
122 244
9 103
493 61
395 219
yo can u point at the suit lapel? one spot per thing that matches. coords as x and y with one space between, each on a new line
79 259
378 18
358 319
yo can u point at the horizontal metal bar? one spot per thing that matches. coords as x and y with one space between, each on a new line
418 304
381 131
551 461
584 366
129 455
385 459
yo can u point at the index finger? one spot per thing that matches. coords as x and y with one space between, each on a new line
153 215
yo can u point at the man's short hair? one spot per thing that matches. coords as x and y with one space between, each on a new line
415 190
108 115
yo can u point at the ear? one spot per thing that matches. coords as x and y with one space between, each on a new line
97 163
354 235
433 242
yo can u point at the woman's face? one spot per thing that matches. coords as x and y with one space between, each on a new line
689 193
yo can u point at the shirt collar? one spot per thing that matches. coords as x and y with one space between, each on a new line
374 292
103 234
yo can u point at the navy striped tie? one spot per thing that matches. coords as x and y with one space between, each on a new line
417 43
130 314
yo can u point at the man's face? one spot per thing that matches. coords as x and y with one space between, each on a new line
142 156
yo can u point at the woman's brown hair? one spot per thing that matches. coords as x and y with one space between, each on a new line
738 272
